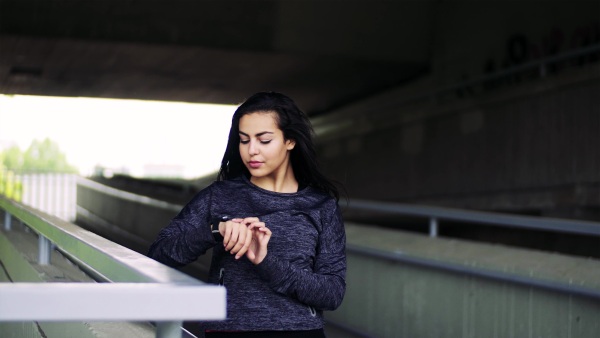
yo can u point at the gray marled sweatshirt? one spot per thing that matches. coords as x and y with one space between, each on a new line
305 268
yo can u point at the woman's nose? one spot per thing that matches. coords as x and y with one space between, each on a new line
253 149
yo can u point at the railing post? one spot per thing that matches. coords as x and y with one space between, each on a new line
433 227
7 220
168 329
44 250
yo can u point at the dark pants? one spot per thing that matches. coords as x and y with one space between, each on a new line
268 334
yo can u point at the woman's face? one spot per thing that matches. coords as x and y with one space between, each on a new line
263 148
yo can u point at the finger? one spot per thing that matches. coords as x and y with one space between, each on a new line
226 233
266 234
256 225
244 249
233 235
248 242
249 220
251 255
241 239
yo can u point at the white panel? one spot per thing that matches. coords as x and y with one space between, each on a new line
111 302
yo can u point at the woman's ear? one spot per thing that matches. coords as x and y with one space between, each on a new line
290 144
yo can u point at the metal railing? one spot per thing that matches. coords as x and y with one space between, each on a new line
53 193
433 214
436 214
503 276
137 283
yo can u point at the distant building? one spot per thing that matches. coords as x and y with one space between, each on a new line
163 170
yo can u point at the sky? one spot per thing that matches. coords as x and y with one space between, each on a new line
120 133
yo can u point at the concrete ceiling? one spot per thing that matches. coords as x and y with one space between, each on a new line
324 54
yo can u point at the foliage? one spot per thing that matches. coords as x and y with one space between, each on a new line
10 186
12 157
40 157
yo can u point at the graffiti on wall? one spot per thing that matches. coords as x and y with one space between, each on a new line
521 49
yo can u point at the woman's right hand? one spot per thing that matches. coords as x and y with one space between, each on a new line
260 240
236 236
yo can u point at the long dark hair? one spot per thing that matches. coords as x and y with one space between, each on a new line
295 126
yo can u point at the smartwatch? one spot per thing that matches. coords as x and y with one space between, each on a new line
215 227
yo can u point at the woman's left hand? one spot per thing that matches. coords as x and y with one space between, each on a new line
260 238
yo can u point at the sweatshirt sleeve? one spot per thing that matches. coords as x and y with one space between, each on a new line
187 236
325 286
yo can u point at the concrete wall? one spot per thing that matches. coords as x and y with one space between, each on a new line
530 147
521 143
387 298
128 219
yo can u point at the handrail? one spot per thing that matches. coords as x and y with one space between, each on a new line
137 281
434 214
503 276
117 263
107 302
122 194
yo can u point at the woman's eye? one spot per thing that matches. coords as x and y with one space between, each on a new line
265 141
244 141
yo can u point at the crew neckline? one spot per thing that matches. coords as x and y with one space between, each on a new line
301 190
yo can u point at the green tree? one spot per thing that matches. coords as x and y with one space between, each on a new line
44 156
10 185
12 158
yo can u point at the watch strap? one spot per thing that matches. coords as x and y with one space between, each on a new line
214 222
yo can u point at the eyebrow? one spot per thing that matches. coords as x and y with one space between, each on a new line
258 135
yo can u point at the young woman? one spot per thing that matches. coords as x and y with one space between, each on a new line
273 221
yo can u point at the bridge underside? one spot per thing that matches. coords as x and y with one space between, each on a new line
367 72
324 54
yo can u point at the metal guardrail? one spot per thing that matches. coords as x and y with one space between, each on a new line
128 196
578 290
53 193
138 282
435 214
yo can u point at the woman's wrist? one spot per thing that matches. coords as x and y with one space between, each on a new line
215 222
260 258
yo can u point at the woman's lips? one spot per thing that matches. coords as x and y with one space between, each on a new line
254 164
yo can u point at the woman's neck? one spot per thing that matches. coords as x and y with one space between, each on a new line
284 182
